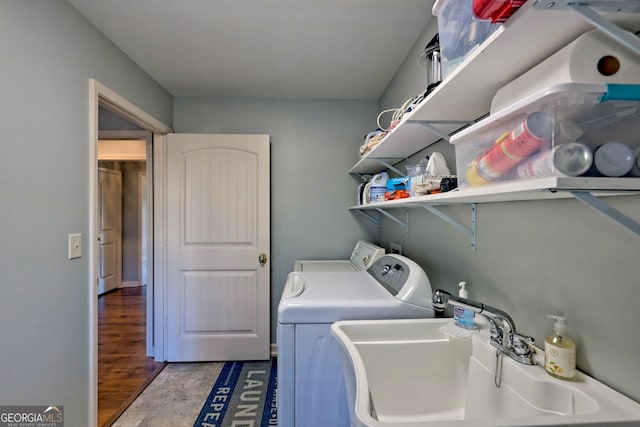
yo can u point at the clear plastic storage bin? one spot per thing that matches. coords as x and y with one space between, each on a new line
460 31
569 129
496 10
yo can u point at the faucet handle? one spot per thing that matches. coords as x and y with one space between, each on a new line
496 332
523 338
521 344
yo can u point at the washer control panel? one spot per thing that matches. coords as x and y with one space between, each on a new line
403 278
391 273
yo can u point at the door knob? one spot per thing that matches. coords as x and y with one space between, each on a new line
262 258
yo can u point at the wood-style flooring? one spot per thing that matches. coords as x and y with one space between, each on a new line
123 368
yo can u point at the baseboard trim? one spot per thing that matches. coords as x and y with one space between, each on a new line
129 284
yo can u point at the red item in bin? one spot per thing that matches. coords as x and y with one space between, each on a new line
397 194
496 10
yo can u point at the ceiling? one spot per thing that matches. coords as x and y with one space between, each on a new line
342 49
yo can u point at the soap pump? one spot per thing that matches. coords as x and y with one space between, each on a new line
463 317
560 351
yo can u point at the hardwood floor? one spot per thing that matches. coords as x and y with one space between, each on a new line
123 368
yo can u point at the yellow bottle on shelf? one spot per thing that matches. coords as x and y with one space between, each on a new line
560 352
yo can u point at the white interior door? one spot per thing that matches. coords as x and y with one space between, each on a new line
218 275
109 228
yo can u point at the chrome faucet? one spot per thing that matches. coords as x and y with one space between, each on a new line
503 329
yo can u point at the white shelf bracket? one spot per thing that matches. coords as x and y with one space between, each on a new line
607 210
429 124
588 11
381 211
375 220
383 161
471 231
404 223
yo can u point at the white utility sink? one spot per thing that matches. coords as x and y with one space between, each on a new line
426 372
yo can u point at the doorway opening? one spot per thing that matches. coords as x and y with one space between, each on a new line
125 342
140 126
123 205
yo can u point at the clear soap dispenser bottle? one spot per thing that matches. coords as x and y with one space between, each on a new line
560 352
463 317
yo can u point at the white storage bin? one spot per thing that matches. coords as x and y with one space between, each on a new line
553 133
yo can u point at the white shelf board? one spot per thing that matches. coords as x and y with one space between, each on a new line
403 141
529 189
527 38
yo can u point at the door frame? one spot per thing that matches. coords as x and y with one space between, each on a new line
100 95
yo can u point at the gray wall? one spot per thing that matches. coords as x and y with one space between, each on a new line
313 145
131 220
49 53
537 258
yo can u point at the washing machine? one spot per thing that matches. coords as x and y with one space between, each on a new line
364 254
311 390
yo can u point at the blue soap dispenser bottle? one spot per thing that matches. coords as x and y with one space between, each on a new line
463 317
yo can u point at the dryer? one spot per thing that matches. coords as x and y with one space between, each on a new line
363 256
311 390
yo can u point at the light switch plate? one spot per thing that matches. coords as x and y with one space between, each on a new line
75 246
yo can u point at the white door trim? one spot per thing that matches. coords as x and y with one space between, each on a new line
101 95
158 255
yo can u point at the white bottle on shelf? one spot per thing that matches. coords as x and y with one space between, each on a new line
378 187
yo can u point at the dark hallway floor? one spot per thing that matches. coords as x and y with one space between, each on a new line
123 368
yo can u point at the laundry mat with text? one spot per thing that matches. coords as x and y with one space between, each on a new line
244 395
